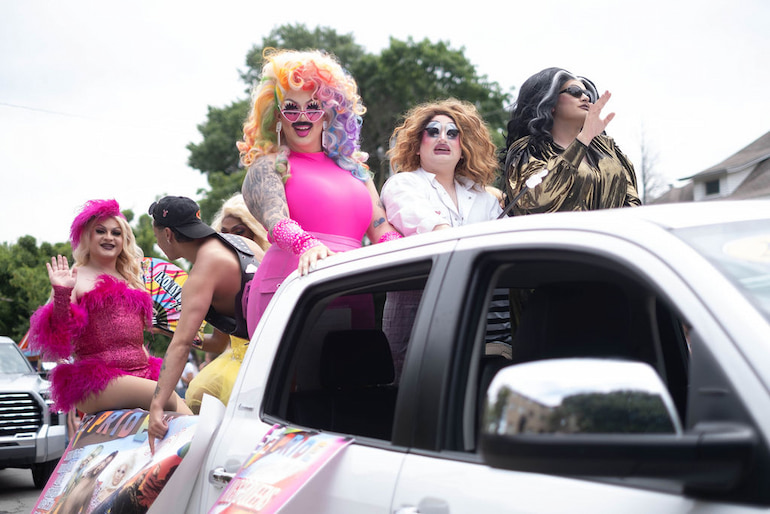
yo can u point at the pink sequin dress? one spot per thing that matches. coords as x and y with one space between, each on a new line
103 333
328 202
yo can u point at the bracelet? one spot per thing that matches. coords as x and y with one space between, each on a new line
290 236
389 236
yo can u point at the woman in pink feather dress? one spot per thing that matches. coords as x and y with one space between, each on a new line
94 325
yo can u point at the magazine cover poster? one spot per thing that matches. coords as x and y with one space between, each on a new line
108 468
284 461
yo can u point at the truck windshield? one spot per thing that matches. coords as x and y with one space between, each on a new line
11 361
741 250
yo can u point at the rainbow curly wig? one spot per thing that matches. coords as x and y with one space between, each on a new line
310 70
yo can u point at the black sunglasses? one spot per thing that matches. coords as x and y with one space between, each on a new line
577 92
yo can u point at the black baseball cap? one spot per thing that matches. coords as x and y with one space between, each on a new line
181 214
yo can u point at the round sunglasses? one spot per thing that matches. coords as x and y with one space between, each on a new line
433 130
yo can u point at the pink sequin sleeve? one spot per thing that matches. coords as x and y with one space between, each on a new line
53 325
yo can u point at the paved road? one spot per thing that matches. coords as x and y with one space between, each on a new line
17 492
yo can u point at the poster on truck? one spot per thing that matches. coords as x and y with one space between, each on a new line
284 461
108 467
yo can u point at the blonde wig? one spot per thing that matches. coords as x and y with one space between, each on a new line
129 263
236 207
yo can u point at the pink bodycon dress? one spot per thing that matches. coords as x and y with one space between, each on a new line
328 202
104 334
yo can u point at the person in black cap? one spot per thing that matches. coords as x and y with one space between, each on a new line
222 268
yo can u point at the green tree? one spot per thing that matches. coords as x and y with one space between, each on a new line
617 412
217 156
298 37
493 414
24 284
145 237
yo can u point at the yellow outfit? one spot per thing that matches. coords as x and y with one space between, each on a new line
217 377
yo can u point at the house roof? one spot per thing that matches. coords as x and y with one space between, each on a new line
757 151
676 194
756 185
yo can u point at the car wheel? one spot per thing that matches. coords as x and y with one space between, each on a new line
42 472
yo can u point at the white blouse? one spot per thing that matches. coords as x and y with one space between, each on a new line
415 202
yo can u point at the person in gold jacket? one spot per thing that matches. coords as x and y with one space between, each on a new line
557 133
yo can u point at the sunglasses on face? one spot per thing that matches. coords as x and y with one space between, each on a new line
293 113
577 92
434 128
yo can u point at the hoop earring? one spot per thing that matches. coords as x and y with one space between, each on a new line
278 127
323 135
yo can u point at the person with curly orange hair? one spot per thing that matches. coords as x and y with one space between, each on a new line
444 158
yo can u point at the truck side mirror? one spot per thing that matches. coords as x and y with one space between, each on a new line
579 396
606 417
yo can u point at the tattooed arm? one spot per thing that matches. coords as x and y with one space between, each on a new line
379 224
264 193
265 196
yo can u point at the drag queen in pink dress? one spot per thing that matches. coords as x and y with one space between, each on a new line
94 325
306 182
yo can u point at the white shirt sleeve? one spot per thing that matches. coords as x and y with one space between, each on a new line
408 198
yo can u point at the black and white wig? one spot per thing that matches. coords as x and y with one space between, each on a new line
532 114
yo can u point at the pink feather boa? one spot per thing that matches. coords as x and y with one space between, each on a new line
90 375
110 291
52 339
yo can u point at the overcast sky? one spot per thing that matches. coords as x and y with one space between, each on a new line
99 99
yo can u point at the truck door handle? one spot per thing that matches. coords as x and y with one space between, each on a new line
426 506
220 477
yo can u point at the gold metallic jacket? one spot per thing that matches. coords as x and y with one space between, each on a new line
579 178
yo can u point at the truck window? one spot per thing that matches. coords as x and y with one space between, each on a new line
570 306
340 364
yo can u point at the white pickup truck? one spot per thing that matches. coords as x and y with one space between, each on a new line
635 376
31 434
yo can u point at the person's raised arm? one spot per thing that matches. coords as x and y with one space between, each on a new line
52 324
594 124
63 280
